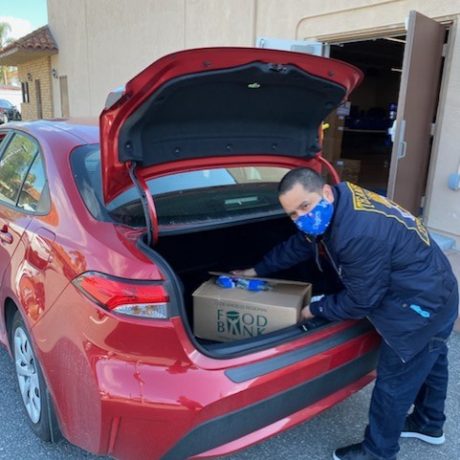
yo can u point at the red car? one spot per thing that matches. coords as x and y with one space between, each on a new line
106 230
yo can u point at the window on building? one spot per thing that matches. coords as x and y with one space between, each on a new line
25 92
38 99
65 111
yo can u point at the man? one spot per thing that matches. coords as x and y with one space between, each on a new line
394 274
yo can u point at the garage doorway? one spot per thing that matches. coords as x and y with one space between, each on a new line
402 77
358 140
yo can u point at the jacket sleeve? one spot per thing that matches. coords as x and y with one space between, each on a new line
366 266
294 250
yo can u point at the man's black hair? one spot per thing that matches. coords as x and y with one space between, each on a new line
309 179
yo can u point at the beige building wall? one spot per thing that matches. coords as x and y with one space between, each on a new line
103 43
39 69
443 204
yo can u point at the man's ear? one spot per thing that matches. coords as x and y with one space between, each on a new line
328 193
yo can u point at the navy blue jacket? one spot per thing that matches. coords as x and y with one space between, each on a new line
393 273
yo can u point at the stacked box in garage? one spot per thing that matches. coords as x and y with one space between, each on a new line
348 169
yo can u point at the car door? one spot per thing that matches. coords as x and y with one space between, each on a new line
17 156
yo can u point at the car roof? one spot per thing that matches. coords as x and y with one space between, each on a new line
83 131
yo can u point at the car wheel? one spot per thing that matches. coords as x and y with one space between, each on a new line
36 400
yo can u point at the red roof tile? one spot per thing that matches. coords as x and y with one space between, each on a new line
40 39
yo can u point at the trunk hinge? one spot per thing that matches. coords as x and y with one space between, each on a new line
148 205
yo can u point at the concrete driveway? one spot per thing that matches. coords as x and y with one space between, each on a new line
313 440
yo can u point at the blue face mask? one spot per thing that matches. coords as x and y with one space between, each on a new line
315 222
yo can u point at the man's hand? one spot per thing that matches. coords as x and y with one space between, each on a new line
246 272
306 313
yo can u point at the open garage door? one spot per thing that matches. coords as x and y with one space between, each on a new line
418 96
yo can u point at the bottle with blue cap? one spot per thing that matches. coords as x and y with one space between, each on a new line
255 285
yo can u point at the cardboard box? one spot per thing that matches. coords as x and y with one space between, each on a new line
233 314
348 169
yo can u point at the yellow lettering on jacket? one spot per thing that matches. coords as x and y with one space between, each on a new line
365 200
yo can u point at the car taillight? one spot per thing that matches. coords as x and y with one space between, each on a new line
146 299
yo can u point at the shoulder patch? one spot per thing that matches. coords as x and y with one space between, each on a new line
365 200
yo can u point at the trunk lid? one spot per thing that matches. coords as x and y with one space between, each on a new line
219 102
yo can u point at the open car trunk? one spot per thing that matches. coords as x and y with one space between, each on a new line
217 106
192 256
217 220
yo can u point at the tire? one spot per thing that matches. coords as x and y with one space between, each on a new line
32 387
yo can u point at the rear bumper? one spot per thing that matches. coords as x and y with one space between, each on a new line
289 406
145 432
288 422
236 415
149 395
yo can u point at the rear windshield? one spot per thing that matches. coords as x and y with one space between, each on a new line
188 199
